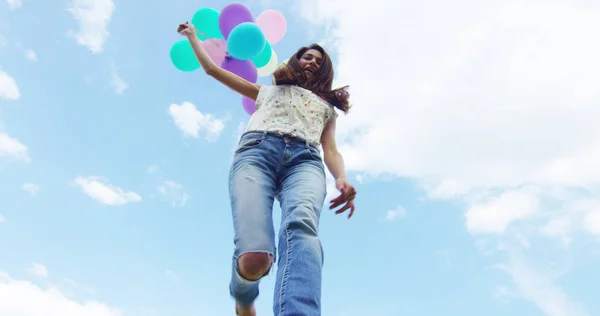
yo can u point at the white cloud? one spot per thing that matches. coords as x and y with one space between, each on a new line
31 188
14 4
495 214
592 222
117 82
174 192
8 87
92 17
475 100
37 269
30 55
21 297
2 219
474 95
99 190
398 212
190 121
558 226
11 147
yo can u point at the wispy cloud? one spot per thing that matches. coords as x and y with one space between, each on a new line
174 192
31 188
119 85
8 87
37 269
396 213
14 4
99 190
30 55
172 275
538 287
92 17
12 148
152 169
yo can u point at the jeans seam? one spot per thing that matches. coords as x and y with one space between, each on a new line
285 266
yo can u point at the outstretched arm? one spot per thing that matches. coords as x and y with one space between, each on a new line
335 163
233 81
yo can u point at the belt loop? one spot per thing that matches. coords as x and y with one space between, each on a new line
264 135
307 143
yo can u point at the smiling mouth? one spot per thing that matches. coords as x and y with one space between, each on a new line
309 70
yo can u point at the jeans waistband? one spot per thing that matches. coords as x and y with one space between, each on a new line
287 137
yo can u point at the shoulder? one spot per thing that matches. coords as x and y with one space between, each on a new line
325 103
264 90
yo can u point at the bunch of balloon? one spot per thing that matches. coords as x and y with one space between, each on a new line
235 41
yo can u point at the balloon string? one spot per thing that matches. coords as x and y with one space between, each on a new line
207 37
202 33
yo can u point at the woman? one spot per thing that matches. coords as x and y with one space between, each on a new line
278 158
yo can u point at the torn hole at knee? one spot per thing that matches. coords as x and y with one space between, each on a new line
254 265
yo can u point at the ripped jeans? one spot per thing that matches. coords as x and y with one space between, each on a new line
269 166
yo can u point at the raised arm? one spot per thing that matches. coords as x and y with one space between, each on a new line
233 81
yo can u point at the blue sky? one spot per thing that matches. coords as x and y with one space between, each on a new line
472 144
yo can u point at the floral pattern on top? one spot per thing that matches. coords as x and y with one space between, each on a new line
292 110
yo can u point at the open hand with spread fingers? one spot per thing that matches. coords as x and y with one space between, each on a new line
346 198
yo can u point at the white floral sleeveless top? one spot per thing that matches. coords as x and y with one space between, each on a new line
292 110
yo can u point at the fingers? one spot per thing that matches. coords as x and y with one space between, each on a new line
183 27
343 209
346 198
343 198
349 205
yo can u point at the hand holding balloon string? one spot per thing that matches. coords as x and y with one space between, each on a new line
234 40
186 29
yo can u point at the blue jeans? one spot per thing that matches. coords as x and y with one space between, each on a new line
269 166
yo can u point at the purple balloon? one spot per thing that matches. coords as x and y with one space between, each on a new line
231 16
243 68
248 105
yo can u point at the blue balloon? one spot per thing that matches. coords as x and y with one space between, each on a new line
246 41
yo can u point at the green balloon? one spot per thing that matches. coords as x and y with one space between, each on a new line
206 20
264 57
183 57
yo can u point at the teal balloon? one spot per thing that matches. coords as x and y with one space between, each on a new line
183 57
246 41
264 57
206 20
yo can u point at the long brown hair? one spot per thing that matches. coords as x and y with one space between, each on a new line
320 83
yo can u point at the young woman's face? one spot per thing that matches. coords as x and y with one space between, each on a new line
310 62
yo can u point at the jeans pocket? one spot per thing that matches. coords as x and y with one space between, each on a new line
248 142
314 152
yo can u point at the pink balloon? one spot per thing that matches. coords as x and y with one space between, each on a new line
216 49
248 105
273 25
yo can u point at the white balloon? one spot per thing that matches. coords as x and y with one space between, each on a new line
269 68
